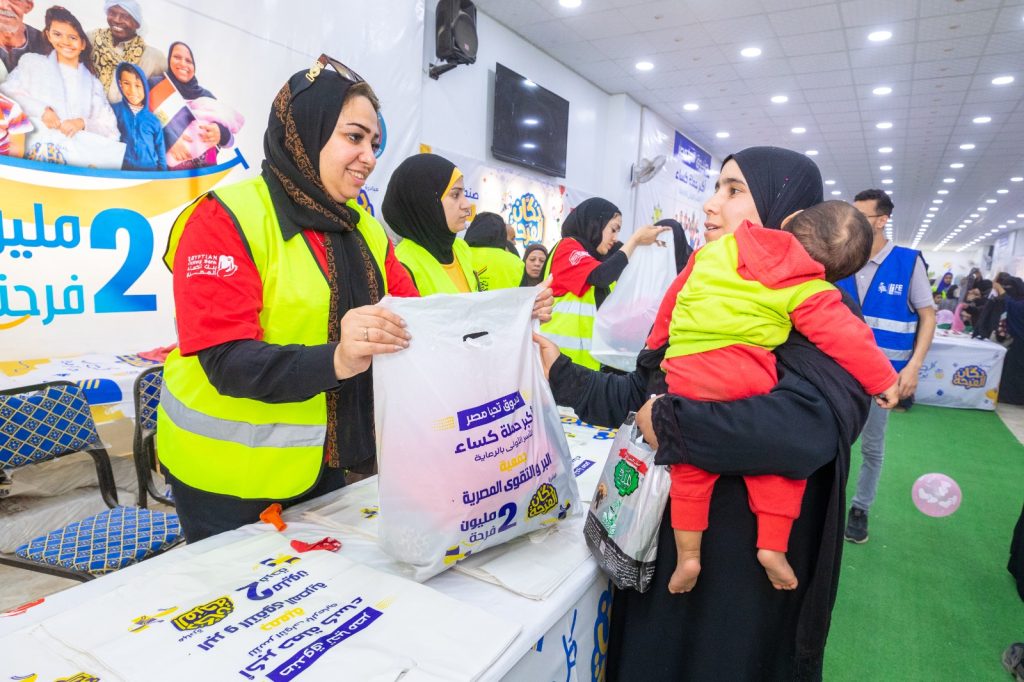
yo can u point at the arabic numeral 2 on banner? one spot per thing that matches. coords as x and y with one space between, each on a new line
103 235
508 512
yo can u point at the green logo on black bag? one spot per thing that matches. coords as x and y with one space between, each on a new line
626 478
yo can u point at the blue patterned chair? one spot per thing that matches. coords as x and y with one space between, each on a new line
47 421
147 397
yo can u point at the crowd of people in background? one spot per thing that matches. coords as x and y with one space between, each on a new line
105 98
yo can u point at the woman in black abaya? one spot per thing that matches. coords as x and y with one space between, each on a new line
734 625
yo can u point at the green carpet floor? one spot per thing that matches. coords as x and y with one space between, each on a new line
930 598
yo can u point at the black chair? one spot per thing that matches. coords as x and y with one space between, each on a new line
147 397
47 421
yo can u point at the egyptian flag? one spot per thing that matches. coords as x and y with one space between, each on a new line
171 108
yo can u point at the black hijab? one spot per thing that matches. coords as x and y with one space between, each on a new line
487 229
682 247
781 181
190 89
586 223
302 120
530 248
412 203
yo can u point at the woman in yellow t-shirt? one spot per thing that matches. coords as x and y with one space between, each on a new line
425 204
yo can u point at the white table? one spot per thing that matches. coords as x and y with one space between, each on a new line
567 630
961 372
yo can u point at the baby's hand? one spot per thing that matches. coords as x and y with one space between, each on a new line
889 398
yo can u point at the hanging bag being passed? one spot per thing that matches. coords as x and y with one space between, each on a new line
470 444
624 320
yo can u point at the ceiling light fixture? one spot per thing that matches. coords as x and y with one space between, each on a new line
721 134
1002 191
644 66
882 90
948 180
936 201
814 152
887 181
879 36
1017 179
571 4
884 150
779 99
830 182
1002 80
750 52
691 106
836 192
967 147
883 125
956 165
981 119
798 130
943 191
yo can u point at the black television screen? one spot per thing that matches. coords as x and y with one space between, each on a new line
531 124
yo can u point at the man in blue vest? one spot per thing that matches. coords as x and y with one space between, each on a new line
896 298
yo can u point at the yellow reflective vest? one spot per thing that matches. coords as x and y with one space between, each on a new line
238 446
497 268
572 322
429 276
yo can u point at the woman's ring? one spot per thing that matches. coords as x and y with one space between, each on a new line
366 334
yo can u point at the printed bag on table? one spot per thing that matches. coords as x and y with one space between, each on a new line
470 446
622 525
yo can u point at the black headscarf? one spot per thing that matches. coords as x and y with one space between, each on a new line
487 229
412 204
682 247
190 89
302 120
586 223
781 181
530 248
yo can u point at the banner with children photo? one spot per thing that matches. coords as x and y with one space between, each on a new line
115 114
682 185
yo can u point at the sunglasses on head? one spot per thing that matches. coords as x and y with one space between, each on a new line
322 63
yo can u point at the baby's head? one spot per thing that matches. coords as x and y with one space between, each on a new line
835 234
132 87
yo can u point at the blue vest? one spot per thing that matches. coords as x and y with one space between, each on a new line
886 305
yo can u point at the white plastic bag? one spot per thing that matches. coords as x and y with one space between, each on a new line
622 525
624 320
470 445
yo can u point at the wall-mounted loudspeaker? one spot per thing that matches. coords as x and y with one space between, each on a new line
455 34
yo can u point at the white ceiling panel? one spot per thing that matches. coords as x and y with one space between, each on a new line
939 62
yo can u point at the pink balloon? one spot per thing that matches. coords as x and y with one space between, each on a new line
936 495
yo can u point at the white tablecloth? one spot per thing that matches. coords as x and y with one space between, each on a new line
961 372
562 632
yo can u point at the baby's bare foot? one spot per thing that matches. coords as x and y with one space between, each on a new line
685 576
777 567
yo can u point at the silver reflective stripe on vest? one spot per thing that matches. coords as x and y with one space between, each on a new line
891 325
569 342
243 433
897 354
574 308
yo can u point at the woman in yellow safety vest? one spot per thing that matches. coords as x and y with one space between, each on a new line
268 397
426 205
583 272
495 265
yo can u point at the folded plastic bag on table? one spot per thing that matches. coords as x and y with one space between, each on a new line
624 320
622 524
470 446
